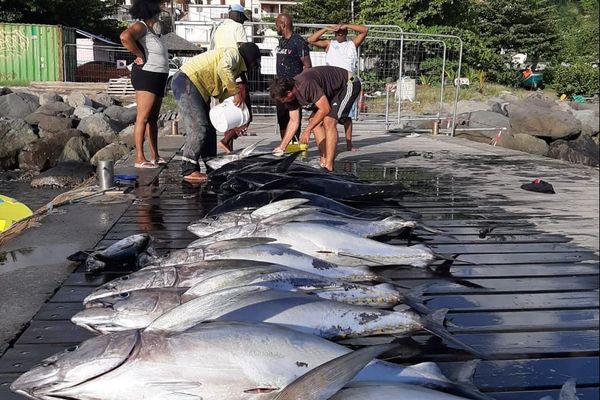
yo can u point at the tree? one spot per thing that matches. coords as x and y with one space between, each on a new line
578 31
323 11
89 15
415 14
520 27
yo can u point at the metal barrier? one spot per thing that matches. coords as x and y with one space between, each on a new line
408 78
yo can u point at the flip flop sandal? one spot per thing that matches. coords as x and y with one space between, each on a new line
159 161
146 165
191 178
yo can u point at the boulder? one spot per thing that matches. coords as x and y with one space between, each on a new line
95 143
65 174
84 111
541 99
17 105
50 97
57 108
498 105
114 151
14 136
104 100
528 144
99 125
590 121
49 123
466 106
541 121
126 136
583 150
76 149
77 99
121 114
491 125
4 91
44 153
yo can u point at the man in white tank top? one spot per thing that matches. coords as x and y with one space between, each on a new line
342 53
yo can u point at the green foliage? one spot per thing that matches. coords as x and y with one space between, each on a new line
508 77
578 79
322 11
90 15
579 34
371 82
523 27
411 14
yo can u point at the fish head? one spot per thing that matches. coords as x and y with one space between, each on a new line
76 365
127 310
146 278
93 264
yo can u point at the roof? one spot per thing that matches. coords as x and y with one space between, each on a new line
173 42
96 37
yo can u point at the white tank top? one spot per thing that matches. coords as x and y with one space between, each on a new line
157 56
343 55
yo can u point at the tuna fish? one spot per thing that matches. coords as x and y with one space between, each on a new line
218 162
219 360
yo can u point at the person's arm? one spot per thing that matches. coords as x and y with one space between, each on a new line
129 37
315 38
323 108
305 56
361 31
290 131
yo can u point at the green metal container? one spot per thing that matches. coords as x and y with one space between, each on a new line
31 52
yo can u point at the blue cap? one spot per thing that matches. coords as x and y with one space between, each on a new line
238 8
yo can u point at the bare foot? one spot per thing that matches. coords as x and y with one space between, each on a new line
225 146
350 147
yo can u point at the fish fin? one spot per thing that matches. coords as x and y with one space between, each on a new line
568 390
80 256
443 269
237 243
466 372
276 207
248 150
179 390
435 323
327 379
287 161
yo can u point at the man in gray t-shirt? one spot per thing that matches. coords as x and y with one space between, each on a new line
329 93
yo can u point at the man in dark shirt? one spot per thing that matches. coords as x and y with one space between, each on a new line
292 58
329 92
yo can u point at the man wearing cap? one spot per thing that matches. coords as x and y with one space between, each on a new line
230 33
212 74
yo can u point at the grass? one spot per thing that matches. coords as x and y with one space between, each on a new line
169 103
15 83
428 95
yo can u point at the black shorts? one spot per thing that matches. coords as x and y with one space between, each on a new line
341 104
153 82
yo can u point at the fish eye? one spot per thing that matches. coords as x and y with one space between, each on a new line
124 295
72 349
124 278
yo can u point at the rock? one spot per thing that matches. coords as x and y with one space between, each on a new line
34 118
114 151
99 125
590 121
44 153
66 174
465 106
76 149
541 99
77 99
583 150
490 122
17 105
509 97
498 105
541 121
50 97
4 91
95 143
50 123
528 144
84 111
121 114
103 100
126 136
57 108
14 136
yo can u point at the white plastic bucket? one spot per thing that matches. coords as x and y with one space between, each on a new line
227 115
408 89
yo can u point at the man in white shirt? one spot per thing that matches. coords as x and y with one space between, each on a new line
342 53
231 32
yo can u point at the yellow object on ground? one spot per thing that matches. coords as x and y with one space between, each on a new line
295 147
11 211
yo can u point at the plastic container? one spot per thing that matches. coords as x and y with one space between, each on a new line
227 115
293 147
408 89
11 211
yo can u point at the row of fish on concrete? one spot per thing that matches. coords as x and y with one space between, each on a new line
259 307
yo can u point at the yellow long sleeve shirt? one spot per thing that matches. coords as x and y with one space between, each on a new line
214 72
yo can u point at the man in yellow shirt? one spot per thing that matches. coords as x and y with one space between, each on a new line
210 74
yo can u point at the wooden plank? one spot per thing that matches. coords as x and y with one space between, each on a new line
5 392
54 332
71 294
587 393
496 271
58 311
511 284
21 358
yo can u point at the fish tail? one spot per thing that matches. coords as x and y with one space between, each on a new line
435 323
